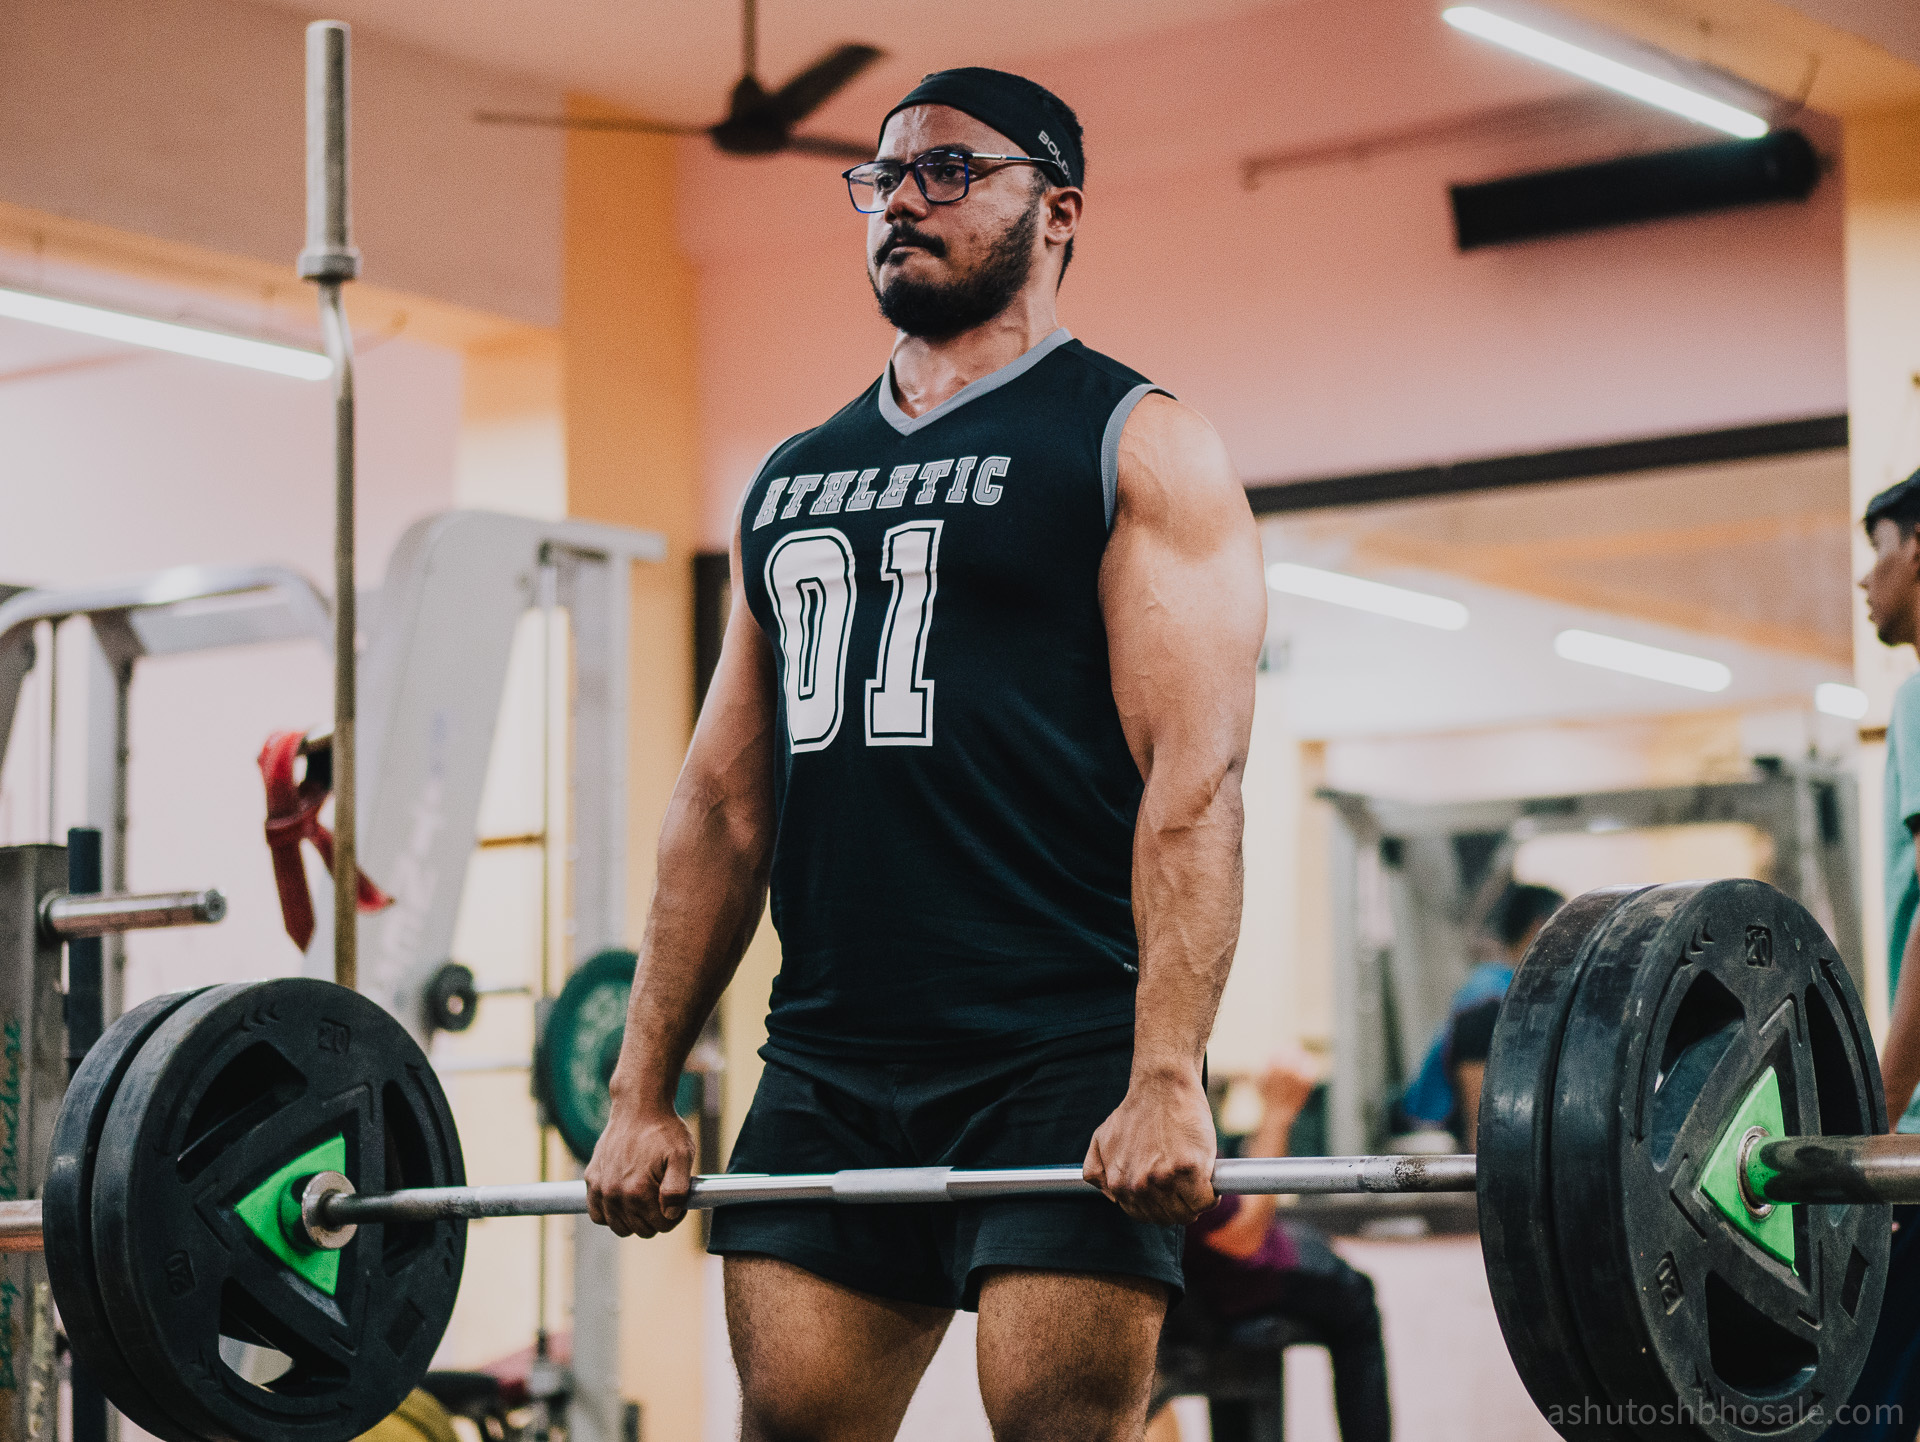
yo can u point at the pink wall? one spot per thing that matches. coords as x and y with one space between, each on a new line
184 120
1324 321
154 461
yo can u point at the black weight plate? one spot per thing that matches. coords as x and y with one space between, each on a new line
227 1091
1517 1221
579 1044
66 1206
1693 1328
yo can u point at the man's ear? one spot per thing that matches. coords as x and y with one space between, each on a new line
1063 212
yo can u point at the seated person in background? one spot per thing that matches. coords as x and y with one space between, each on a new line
1242 1262
1446 1091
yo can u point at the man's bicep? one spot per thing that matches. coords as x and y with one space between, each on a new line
1181 588
735 727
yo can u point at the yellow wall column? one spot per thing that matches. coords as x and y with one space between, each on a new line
627 349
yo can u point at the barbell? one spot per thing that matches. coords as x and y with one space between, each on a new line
1681 1184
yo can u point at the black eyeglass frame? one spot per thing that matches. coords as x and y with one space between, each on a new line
912 167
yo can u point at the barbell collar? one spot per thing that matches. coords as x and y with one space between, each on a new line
1836 1169
72 917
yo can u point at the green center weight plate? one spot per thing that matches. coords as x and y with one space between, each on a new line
66 1212
227 1091
579 1045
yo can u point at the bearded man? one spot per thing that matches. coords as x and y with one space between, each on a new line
980 720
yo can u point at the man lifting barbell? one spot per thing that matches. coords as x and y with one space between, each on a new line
980 715
1681 1185
273 1164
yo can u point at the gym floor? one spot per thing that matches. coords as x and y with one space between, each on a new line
1660 431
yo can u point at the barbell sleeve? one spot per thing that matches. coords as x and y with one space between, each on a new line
72 917
330 255
1836 1169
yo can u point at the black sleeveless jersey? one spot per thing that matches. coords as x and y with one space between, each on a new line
952 865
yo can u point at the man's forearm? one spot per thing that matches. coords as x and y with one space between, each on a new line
707 902
1187 892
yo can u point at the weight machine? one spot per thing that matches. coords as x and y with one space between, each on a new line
1414 884
432 673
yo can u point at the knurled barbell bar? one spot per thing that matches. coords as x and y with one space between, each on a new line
1672 1245
1773 1170
1784 1170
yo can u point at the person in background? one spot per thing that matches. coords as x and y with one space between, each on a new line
1886 1400
1446 1090
1242 1262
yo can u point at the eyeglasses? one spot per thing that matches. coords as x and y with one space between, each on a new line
943 176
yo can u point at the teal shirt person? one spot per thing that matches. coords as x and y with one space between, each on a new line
1902 809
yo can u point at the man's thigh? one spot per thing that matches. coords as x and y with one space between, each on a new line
819 1362
1068 1356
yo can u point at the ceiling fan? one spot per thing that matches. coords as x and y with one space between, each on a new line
758 121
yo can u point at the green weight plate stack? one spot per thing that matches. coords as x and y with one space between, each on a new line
579 1044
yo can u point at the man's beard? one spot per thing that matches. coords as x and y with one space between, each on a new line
938 310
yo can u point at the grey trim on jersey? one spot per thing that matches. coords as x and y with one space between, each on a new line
1011 371
1110 442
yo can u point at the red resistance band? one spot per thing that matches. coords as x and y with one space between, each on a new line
293 816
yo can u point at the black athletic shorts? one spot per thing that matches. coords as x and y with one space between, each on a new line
1039 1106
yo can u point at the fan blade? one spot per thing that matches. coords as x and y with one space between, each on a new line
814 86
586 122
827 145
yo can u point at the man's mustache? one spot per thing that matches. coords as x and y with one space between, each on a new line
907 235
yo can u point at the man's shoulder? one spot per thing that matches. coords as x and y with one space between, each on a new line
1105 367
1904 715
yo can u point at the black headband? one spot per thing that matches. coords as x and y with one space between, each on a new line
1030 115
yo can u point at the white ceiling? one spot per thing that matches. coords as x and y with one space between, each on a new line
676 60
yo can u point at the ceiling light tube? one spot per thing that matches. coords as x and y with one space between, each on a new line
260 355
1655 663
1834 699
1375 596
1589 65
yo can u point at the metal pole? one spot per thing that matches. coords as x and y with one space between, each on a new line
331 260
1270 1175
72 917
115 982
85 1015
1793 1169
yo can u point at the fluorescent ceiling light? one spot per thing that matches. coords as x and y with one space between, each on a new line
1655 663
260 355
1835 699
1588 65
1382 600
